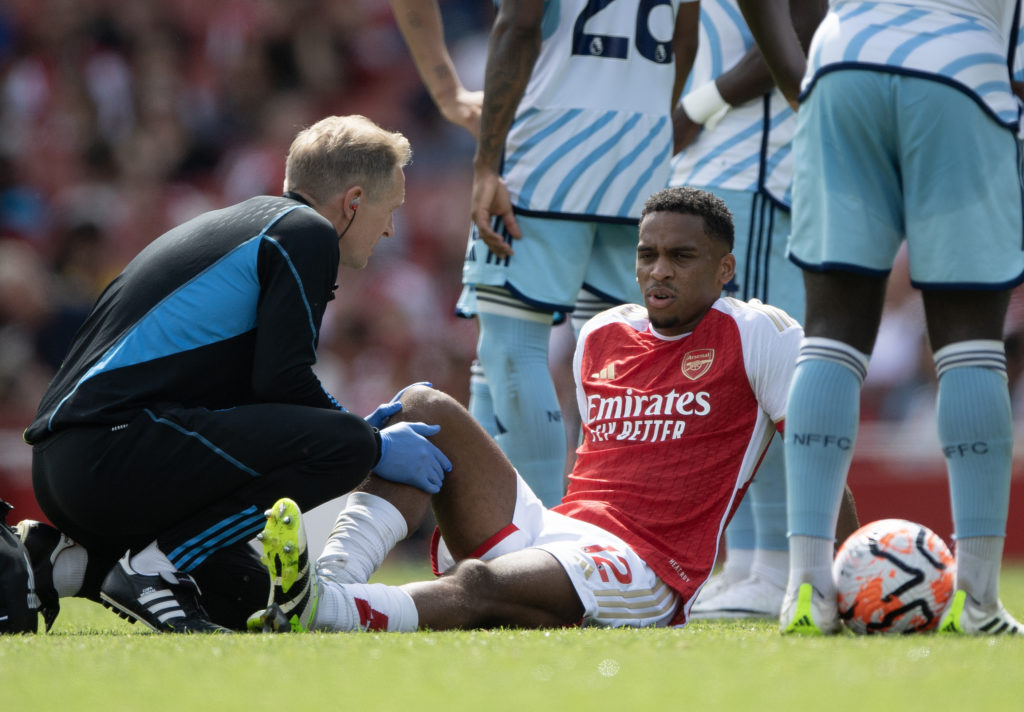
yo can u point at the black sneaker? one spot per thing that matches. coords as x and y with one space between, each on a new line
44 543
167 603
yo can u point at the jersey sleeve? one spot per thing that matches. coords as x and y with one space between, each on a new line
771 342
633 314
577 366
297 270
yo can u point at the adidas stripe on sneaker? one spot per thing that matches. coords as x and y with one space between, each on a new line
965 617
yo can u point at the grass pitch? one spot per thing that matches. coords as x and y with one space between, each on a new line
95 661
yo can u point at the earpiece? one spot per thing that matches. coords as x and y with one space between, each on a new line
354 204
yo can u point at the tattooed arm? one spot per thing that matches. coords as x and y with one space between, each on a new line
512 51
420 25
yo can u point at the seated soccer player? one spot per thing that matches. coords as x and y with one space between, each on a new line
679 400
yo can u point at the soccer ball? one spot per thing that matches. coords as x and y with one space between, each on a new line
893 576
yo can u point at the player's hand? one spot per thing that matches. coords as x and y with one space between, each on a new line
464 110
490 197
384 411
408 458
684 130
789 82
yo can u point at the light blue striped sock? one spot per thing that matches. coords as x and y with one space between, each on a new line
976 431
514 354
767 495
740 532
481 406
821 429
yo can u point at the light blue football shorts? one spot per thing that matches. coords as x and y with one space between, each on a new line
882 157
762 270
554 259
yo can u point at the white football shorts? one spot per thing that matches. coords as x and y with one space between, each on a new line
616 586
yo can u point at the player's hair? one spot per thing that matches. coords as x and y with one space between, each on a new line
691 201
339 152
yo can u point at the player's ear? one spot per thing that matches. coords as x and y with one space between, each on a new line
727 268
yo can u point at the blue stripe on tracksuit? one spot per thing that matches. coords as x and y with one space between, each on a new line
240 527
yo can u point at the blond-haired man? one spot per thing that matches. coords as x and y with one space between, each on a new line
187 403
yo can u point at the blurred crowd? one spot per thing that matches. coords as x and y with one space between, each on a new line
119 120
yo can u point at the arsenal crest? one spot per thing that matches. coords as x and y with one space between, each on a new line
696 363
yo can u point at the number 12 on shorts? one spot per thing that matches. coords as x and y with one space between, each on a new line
619 568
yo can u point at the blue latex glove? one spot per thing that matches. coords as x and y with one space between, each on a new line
407 457
385 410
380 416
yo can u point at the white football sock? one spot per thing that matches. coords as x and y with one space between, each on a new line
978 560
737 564
810 560
368 607
771 566
365 531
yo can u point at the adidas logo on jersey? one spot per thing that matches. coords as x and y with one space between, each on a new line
605 374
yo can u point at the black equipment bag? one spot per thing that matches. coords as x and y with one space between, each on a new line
19 604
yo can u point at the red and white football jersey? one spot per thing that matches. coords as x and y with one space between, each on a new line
674 428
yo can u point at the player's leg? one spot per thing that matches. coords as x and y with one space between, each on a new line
976 433
609 280
526 588
740 543
964 226
474 508
847 227
513 348
546 570
756 567
772 278
476 500
821 430
516 299
575 573
767 495
761 544
481 404
523 587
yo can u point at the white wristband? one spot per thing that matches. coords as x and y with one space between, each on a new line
703 103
